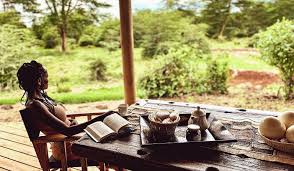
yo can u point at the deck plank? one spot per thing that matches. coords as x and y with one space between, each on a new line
15 138
12 145
16 150
13 131
9 164
16 125
20 157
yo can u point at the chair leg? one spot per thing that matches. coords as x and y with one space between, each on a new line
64 157
42 154
84 164
101 166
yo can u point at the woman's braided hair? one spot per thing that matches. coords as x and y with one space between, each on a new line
28 75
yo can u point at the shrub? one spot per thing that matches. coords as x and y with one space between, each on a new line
216 77
171 77
183 71
50 38
86 40
109 35
61 88
98 70
14 45
277 48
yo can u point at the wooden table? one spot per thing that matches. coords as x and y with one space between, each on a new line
248 153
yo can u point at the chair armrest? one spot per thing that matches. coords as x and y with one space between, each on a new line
56 138
86 113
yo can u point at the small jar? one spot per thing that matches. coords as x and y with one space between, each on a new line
193 133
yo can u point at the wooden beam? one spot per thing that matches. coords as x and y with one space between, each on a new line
127 44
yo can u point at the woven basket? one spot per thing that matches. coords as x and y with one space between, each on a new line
162 130
282 146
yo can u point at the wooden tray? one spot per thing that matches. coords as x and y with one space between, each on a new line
217 133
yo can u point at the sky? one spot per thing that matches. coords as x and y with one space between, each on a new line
113 10
136 5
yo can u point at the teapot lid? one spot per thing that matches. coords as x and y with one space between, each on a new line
198 112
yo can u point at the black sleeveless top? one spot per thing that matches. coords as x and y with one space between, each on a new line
50 104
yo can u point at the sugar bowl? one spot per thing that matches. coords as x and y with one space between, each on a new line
193 133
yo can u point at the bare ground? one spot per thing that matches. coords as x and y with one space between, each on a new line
245 91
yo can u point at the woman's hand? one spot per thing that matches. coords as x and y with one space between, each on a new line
73 122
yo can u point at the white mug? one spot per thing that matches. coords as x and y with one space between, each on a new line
122 109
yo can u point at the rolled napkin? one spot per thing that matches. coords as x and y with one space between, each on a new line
219 131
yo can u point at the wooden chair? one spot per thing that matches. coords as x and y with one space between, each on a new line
40 145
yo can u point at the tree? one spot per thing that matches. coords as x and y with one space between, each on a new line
11 17
59 12
78 22
277 48
217 14
14 43
109 35
282 9
252 17
6 5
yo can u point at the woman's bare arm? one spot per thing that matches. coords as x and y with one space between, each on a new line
46 116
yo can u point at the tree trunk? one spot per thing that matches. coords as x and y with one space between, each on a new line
221 33
63 23
63 38
289 88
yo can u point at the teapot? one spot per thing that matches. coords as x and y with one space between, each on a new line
198 117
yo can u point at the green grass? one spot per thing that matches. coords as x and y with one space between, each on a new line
102 94
71 70
90 95
225 44
70 80
247 62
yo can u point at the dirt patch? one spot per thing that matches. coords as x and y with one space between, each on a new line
254 78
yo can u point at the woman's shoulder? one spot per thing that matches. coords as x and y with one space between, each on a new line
35 104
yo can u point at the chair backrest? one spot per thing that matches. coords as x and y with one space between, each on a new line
32 131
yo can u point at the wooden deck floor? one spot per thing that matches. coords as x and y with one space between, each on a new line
16 150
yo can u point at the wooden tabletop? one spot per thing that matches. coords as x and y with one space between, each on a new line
248 153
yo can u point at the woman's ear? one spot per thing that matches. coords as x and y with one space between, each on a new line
39 81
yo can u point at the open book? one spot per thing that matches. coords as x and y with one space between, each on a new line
112 125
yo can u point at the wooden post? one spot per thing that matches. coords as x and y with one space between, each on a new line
127 44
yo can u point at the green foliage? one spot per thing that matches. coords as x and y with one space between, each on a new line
62 14
254 16
11 17
277 48
50 38
282 9
157 32
217 14
14 44
109 35
63 88
169 79
98 70
78 22
182 71
175 73
86 40
216 77
243 18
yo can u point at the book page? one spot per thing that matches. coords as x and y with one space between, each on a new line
115 122
99 131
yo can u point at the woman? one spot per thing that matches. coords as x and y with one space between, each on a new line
48 116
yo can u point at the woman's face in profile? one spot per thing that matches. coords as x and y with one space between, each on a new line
45 81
